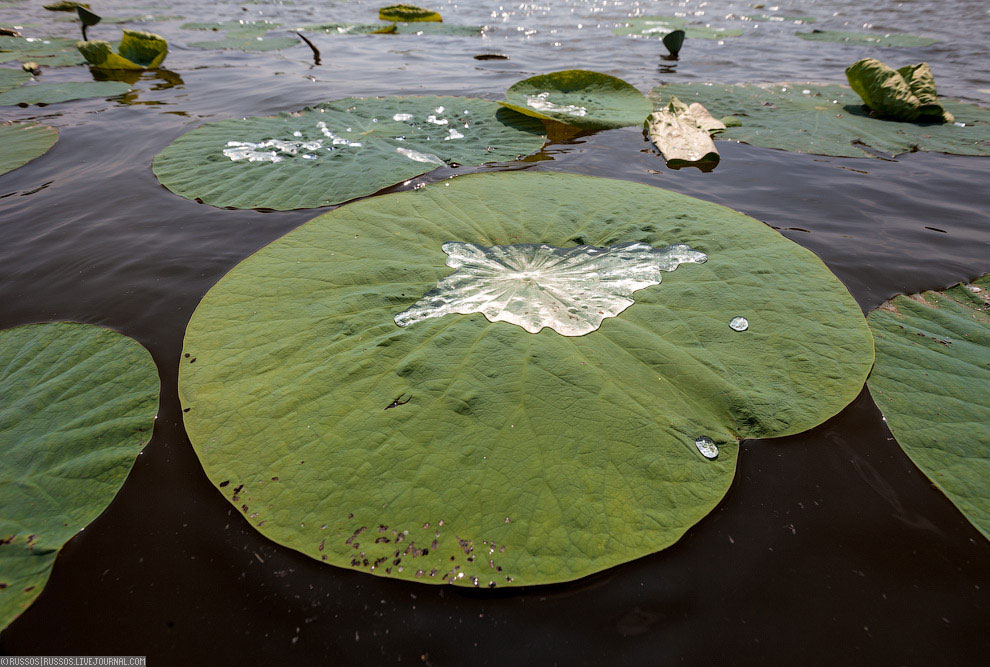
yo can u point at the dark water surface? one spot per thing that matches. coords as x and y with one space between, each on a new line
830 547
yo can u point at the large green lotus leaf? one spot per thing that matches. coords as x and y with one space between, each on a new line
79 402
12 78
658 26
339 150
873 39
932 383
407 13
460 449
830 120
53 93
22 142
55 51
589 100
138 50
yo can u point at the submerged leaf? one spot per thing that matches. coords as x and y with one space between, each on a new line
79 403
461 450
831 120
885 39
659 26
339 150
932 383
22 142
137 51
53 93
584 99
407 13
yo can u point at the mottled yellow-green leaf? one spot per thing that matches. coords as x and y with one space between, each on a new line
407 13
138 50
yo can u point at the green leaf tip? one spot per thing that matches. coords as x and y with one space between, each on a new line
906 94
138 50
408 13
931 381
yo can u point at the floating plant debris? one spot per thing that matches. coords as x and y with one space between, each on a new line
22 142
739 324
873 39
682 133
571 290
588 443
79 403
589 100
830 120
339 150
932 384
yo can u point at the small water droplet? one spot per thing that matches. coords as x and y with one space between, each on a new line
738 324
707 447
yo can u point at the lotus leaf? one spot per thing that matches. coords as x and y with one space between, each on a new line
22 142
339 150
137 51
53 93
906 94
12 78
589 100
397 29
79 402
932 383
234 28
50 51
886 39
353 28
658 26
65 6
775 18
238 43
407 13
830 120
461 450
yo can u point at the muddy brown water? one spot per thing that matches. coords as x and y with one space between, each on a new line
830 547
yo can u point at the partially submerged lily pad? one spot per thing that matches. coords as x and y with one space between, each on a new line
66 91
891 39
589 100
339 150
79 403
658 26
830 120
461 450
65 6
138 50
22 142
408 13
932 383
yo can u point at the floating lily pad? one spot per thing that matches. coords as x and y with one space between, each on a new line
830 120
339 150
589 100
932 383
236 43
873 39
79 403
12 78
775 18
397 29
456 449
408 13
353 28
234 28
22 142
137 51
658 26
65 6
46 51
53 93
